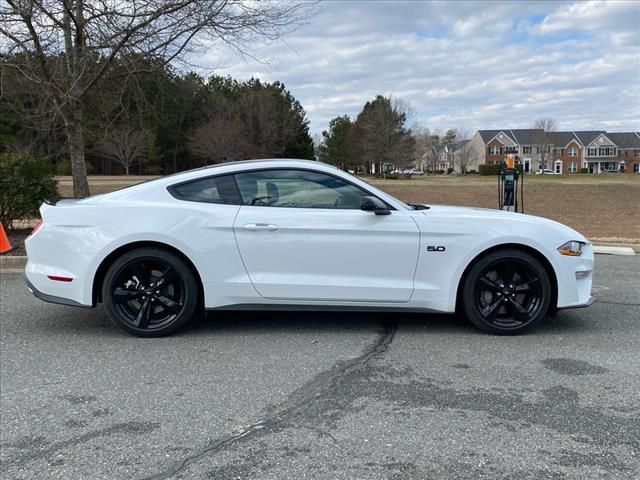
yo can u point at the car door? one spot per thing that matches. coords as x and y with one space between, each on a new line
302 236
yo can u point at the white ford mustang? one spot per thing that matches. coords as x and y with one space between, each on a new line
294 234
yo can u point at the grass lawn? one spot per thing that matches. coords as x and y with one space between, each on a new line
603 207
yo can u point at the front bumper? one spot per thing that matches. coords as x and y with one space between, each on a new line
588 303
575 278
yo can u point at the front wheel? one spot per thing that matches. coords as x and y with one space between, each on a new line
150 292
506 292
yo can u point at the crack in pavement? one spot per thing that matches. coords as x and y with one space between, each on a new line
296 405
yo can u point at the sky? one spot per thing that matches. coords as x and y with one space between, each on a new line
464 64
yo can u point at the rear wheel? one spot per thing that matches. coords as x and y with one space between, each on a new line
506 292
150 292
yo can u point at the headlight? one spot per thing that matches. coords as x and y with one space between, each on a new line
572 248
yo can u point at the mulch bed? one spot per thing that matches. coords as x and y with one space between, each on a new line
16 239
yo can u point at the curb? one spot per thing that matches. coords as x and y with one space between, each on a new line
606 250
12 264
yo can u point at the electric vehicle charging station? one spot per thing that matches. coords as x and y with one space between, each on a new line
510 184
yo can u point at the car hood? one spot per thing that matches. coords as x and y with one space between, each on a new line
454 213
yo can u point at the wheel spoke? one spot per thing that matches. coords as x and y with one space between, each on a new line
490 311
121 295
528 286
142 320
167 277
488 284
519 313
169 305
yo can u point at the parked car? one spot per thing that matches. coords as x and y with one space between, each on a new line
415 171
546 171
294 234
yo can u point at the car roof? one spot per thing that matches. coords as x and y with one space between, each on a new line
150 189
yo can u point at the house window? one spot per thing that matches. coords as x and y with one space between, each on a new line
573 152
636 168
608 167
606 152
636 152
536 149
573 167
526 149
592 152
621 166
495 150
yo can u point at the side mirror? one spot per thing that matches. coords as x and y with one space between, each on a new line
375 205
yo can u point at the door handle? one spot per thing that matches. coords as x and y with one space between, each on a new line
257 227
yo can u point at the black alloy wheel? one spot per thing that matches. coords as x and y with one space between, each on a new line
150 292
506 292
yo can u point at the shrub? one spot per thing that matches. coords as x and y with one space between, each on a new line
494 169
63 167
154 170
449 170
584 170
25 181
489 169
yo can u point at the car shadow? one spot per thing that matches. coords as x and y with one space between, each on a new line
94 322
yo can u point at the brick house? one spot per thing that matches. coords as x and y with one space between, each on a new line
564 152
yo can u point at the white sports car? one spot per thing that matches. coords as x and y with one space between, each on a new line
295 234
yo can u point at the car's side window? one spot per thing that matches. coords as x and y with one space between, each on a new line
298 189
221 189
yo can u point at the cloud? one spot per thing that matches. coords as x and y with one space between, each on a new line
461 64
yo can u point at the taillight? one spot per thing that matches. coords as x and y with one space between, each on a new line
37 227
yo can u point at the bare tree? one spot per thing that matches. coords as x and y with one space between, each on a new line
125 145
464 156
427 150
69 48
268 120
221 137
544 137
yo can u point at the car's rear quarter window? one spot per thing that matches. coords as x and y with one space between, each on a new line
222 190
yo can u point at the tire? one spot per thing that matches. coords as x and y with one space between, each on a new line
506 292
150 292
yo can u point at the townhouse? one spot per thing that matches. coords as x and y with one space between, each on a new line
595 151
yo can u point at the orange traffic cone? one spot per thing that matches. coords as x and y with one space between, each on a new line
5 246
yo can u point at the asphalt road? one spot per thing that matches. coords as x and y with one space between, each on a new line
323 396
